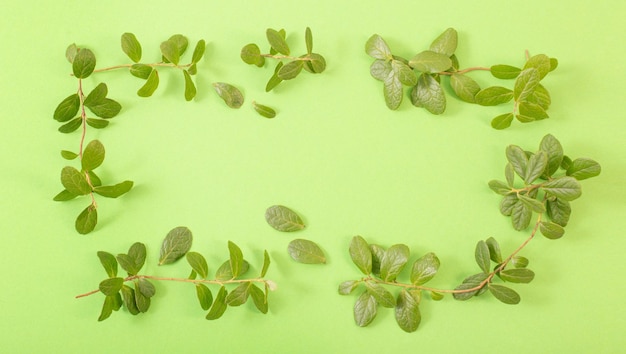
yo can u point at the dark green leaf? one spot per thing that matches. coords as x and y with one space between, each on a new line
494 250
361 254
583 168
111 286
407 312
109 263
502 121
97 95
190 87
239 295
142 301
106 108
382 295
405 74
141 71
110 302
482 256
277 41
504 294
308 39
127 263
205 297
266 263
137 253
499 187
464 87
566 188
290 70
505 71
377 254
551 230
93 155
552 147
430 62
392 91
128 294
198 263
175 245
509 173
259 298
532 203
131 46
251 54
70 52
305 251
150 86
284 219
380 69
87 220
525 84
520 215
229 93
236 259
559 211
518 159
225 273
493 96
446 42
265 111
84 63
429 94
347 287
274 80
219 305
507 204
67 109
68 155
520 275
146 288
115 190
198 51
365 309
377 48
537 165
393 261
97 123
541 62
424 269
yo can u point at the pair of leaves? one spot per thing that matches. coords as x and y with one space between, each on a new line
406 307
96 101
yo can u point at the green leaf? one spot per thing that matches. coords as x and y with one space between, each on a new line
146 288
127 263
531 111
566 163
283 219
493 96
583 168
141 71
93 155
67 109
377 48
494 250
68 155
97 123
84 63
173 48
520 215
429 94
109 263
308 39
181 43
504 294
198 51
509 173
541 62
436 296
347 287
407 312
131 46
142 301
405 74
464 87
502 121
559 211
219 305
446 42
251 54
525 84
97 95
274 80
239 295
500 187
507 204
552 147
74 181
128 294
225 273
482 256
229 93
70 52
430 62
315 63
205 297
566 188
518 159
305 251
277 41
193 69
520 275
551 230
265 111
519 262
106 108
361 254
175 245
392 91
190 87
236 259
266 263
380 69
150 86
424 269
382 295
110 304
111 286
365 309
541 97
115 190
137 253
537 165
198 263
393 261
505 71
290 70
471 282
377 255
259 298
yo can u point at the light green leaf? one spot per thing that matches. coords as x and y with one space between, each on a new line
464 87
315 63
263 110
583 168
559 211
169 50
407 312
115 190
382 295
482 256
193 69
111 286
552 147
365 309
566 188
84 63
519 262
531 111
150 86
379 69
224 272
229 93
283 219
131 46
274 80
239 295
347 287
504 294
393 261
67 109
93 155
259 298
251 54
198 263
494 250
519 275
436 296
502 121
518 159
141 71
392 90
146 288
308 39
525 84
404 73
505 71
68 155
236 259
520 215
109 263
290 70
446 42
305 251
493 96
429 94
430 62
377 48
198 51
551 230
175 245
566 162
266 263
540 96
541 62
219 305
70 52
424 269
537 165
97 123
190 87
361 254
499 187
277 41
74 181
205 297
128 295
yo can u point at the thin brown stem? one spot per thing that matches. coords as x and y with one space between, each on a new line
285 57
464 71
153 65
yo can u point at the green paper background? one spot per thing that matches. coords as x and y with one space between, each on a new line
335 154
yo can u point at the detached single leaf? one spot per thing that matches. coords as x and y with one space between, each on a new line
84 63
115 190
482 256
109 263
190 87
464 87
67 109
430 62
198 263
361 254
150 86
365 309
175 245
93 155
131 46
229 93
407 312
446 42
583 168
429 94
74 181
504 294
566 188
277 41
305 251
219 305
424 269
393 261
377 48
283 219
265 111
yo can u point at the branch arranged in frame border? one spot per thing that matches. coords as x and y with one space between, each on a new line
423 74
542 191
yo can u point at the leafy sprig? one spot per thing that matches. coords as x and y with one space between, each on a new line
423 74
549 198
137 296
